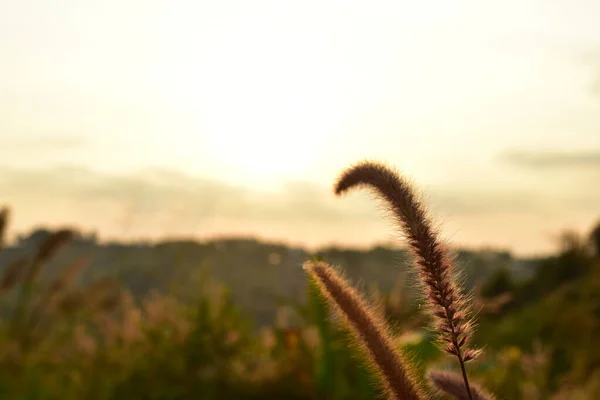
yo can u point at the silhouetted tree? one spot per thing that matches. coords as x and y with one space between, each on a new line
595 239
500 282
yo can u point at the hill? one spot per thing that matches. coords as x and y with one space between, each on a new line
258 274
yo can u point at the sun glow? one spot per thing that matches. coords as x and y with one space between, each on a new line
268 97
262 93
271 88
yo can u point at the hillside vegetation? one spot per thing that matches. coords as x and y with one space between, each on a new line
238 319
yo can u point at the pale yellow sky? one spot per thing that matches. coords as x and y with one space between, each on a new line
489 106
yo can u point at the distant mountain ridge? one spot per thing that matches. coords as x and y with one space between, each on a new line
257 273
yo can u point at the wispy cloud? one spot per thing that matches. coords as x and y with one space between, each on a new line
158 202
545 160
153 192
46 142
592 60
481 201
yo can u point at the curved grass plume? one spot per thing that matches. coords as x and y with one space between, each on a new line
453 384
437 275
371 332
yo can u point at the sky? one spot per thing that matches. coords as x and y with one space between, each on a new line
147 119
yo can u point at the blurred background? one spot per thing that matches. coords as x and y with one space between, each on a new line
167 167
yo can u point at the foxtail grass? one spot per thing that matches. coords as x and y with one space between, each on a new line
370 331
45 251
436 269
453 385
12 274
437 274
37 304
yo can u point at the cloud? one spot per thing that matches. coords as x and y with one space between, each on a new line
154 192
48 142
547 160
157 202
592 60
477 201
158 191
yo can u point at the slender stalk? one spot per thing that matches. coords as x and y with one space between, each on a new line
436 269
463 370
461 361
369 330
453 384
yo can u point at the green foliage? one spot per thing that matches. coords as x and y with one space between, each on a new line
500 282
594 240
566 322
203 343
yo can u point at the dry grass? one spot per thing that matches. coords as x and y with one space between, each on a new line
453 384
370 331
437 275
37 305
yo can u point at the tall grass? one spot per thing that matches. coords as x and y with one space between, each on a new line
436 271
62 339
